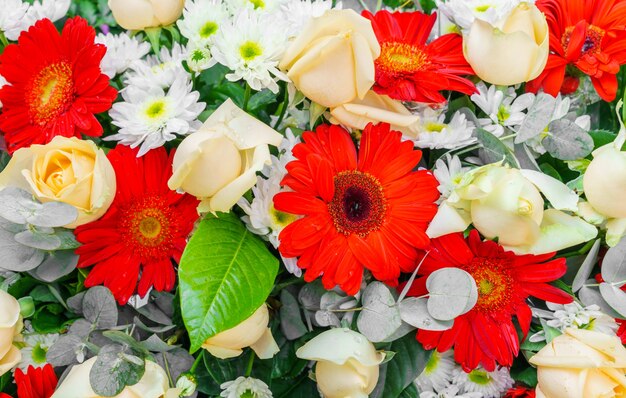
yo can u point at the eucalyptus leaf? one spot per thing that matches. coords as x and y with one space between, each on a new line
68 240
38 240
16 205
380 317
590 295
177 361
17 257
290 317
99 307
55 266
64 351
567 140
493 150
537 118
414 311
614 264
587 266
525 158
615 297
226 273
53 214
451 292
111 373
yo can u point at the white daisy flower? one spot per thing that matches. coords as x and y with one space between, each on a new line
503 109
154 72
12 18
450 392
298 13
563 316
247 387
259 6
449 174
201 20
122 51
35 347
464 12
437 373
436 134
151 116
51 9
252 46
199 58
488 384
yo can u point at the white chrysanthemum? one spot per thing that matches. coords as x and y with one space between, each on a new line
488 384
298 13
122 51
51 9
254 388
436 134
574 315
438 372
12 18
450 392
449 174
252 46
201 20
503 109
35 347
261 217
257 6
154 72
151 116
199 58
464 12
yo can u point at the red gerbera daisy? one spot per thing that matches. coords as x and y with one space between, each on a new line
486 335
368 211
55 84
408 69
520 392
144 229
586 36
35 383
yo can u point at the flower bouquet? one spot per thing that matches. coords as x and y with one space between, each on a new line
310 198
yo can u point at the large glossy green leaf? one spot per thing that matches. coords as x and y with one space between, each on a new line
226 273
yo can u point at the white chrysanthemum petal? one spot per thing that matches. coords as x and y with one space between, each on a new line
488 384
154 72
436 134
13 18
438 372
35 347
122 51
298 12
241 385
449 174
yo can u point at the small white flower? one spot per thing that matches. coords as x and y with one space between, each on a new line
449 174
438 372
503 109
252 46
254 388
574 315
450 392
258 6
201 20
436 134
199 58
464 12
51 9
154 72
122 51
35 347
150 117
12 18
488 384
298 13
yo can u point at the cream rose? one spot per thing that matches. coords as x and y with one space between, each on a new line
153 384
218 163
581 364
507 204
67 170
347 363
253 333
332 60
513 51
10 327
375 108
142 14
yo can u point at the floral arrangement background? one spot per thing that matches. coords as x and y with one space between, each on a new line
296 198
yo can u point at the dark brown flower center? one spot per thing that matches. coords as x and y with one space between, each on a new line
593 39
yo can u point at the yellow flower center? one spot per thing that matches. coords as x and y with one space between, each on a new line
156 110
50 93
280 218
493 281
401 58
208 29
257 4
435 127
250 50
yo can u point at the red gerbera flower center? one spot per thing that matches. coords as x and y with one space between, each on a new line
50 93
401 58
494 282
359 204
146 227
593 39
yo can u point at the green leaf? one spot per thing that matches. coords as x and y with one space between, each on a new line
410 392
567 140
494 150
112 371
226 273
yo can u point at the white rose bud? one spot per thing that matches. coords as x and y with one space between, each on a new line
10 327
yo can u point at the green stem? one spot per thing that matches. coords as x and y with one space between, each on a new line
196 362
3 39
246 97
283 110
379 5
250 363
154 36
365 7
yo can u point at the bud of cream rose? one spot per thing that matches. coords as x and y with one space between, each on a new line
67 170
253 333
142 14
10 327
332 60
581 364
153 384
375 108
347 363
513 51
218 163
604 182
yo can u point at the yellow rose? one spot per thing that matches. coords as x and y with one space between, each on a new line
218 163
153 384
513 51
65 170
581 364
506 203
332 60
10 327
142 14
347 363
374 108
253 333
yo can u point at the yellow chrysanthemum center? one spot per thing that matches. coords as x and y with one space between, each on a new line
280 218
145 226
50 93
401 58
208 29
494 283
250 50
